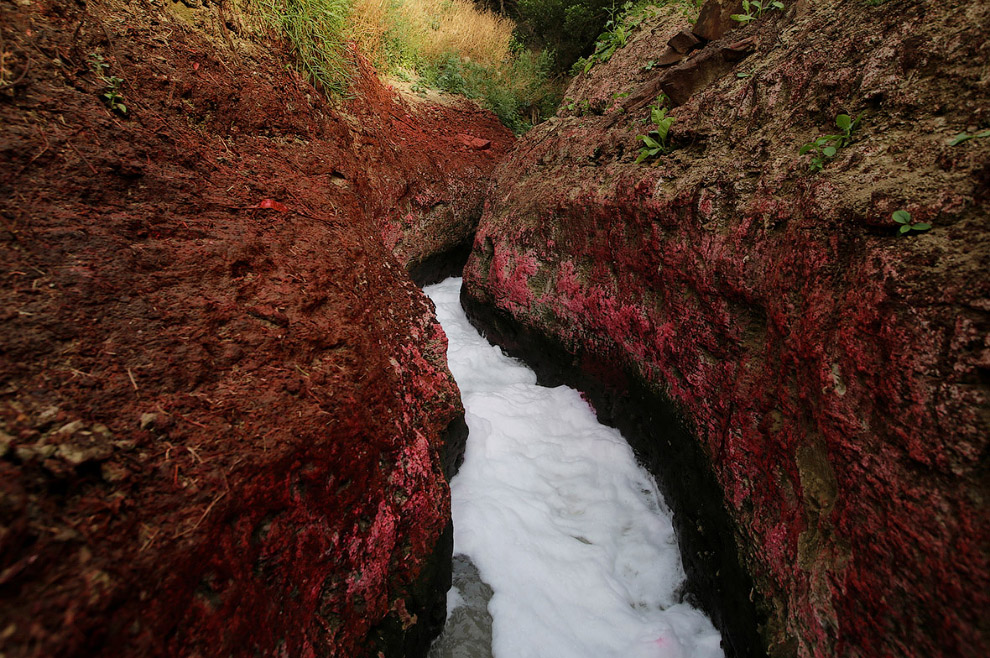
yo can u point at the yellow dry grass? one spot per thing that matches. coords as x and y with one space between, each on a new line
430 28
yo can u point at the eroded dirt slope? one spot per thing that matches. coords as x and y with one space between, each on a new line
834 373
223 403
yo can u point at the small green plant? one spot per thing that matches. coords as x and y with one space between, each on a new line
579 108
824 148
112 96
962 137
903 217
754 9
614 37
657 141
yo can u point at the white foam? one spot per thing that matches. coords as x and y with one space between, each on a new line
562 523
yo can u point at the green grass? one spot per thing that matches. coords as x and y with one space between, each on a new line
315 28
518 88
520 95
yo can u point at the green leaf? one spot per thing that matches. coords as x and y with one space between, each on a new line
829 151
744 75
901 216
982 134
757 4
742 18
642 156
122 108
778 4
959 139
807 147
924 226
649 141
905 229
746 6
843 121
821 141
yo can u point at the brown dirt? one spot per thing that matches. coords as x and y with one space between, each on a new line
222 400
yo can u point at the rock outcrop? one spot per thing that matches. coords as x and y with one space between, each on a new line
770 322
225 412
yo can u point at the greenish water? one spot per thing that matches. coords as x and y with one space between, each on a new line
468 632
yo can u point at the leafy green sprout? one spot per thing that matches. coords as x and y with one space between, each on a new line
608 42
657 141
114 99
826 147
962 137
754 9
903 217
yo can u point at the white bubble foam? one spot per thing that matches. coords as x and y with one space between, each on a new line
563 524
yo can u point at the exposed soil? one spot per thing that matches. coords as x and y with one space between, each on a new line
223 403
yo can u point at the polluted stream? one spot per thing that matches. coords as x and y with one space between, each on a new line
563 545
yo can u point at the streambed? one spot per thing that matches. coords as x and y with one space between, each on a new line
566 548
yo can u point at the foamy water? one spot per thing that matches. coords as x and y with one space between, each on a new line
570 533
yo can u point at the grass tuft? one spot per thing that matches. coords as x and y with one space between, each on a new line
315 28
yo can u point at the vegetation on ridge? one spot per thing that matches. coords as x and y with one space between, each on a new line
450 45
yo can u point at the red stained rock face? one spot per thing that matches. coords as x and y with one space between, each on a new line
834 372
223 403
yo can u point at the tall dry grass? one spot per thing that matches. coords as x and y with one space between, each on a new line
410 32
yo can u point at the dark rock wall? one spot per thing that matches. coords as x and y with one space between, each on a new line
833 372
225 411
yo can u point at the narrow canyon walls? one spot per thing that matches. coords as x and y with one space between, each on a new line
225 411
740 311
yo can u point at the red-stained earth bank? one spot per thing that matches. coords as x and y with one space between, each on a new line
225 411
735 310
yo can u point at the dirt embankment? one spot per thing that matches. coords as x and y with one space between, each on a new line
832 373
223 403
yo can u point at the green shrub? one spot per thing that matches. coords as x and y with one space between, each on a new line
520 95
568 27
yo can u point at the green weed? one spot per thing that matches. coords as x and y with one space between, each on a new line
962 137
657 141
111 96
825 148
753 9
903 217
521 95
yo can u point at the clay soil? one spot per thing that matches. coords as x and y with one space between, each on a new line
202 334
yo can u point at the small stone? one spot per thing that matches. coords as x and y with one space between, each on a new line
85 448
113 472
71 428
47 417
684 41
475 143
102 431
148 420
714 19
669 56
5 441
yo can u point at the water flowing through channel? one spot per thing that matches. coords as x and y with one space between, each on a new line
554 515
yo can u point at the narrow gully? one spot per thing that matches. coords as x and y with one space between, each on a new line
552 512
